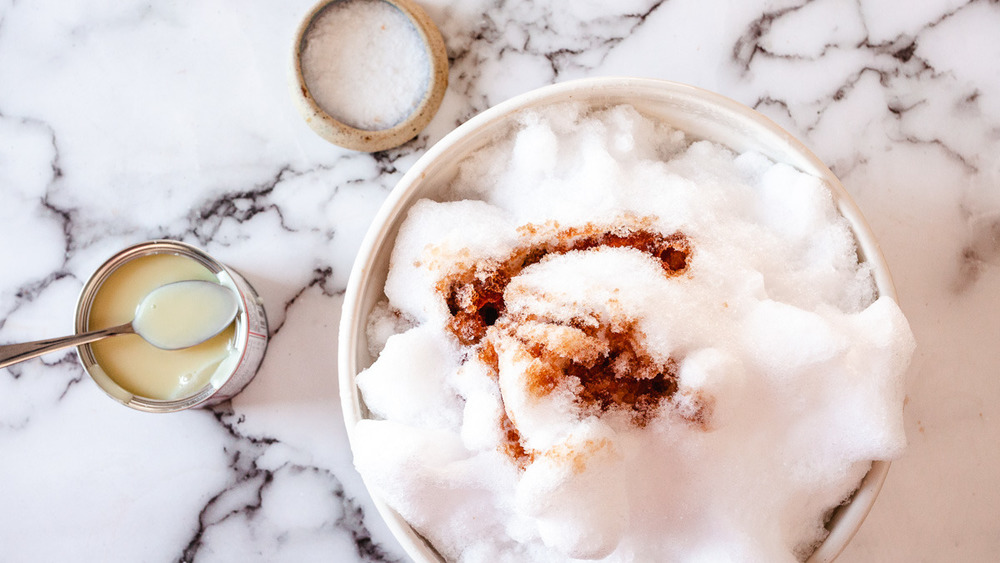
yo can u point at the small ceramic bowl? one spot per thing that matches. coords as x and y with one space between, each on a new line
344 135
701 114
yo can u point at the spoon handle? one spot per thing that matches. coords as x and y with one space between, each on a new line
15 353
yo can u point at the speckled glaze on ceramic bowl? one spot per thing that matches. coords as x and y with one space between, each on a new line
701 114
344 135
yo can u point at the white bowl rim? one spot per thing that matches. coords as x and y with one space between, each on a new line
846 520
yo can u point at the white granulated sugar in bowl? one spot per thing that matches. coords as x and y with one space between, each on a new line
365 64
609 342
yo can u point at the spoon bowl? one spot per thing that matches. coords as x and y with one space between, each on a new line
183 314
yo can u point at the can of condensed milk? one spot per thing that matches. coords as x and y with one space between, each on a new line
146 378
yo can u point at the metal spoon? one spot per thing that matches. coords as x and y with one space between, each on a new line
198 309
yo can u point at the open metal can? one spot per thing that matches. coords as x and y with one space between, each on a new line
244 348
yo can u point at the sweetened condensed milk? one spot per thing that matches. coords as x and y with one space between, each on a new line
146 377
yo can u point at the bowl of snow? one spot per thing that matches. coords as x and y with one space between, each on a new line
621 319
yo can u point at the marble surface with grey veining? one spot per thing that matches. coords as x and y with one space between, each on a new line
127 121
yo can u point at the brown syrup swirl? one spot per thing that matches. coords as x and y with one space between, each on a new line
604 363
475 296
609 367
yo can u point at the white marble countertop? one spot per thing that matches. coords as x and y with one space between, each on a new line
127 121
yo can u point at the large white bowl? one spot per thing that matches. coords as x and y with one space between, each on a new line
701 114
